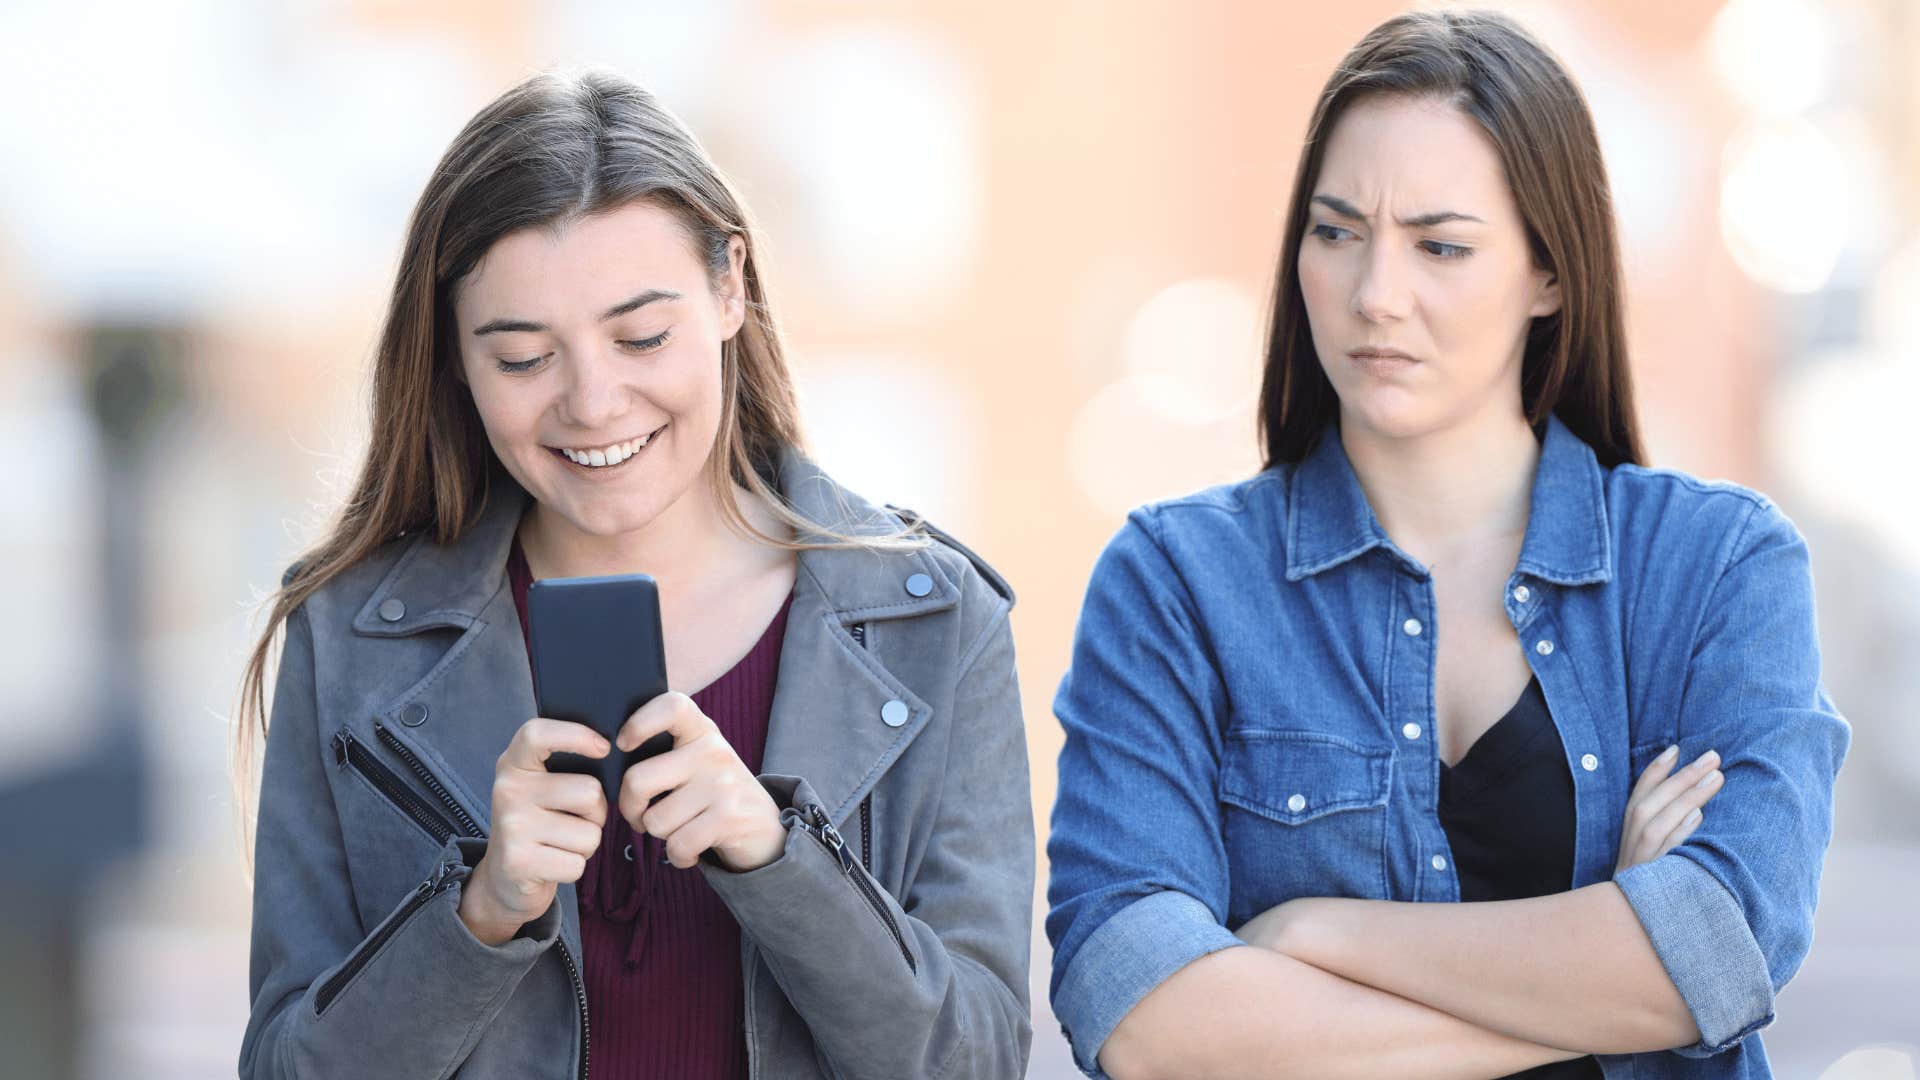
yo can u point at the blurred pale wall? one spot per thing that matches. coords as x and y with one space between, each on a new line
1020 251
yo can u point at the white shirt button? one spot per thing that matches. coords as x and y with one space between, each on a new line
1411 731
1439 863
1412 627
1297 803
1589 762
1543 647
1522 594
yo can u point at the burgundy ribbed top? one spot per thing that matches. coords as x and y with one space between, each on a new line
660 952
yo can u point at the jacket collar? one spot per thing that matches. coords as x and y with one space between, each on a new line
434 585
1329 521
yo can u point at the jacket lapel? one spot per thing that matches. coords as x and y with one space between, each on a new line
835 696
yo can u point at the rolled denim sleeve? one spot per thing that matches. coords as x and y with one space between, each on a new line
1138 884
1730 910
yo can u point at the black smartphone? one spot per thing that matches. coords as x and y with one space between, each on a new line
597 656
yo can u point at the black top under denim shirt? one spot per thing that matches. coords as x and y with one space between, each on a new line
1507 809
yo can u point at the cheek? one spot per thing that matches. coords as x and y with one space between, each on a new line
507 417
1476 313
1319 284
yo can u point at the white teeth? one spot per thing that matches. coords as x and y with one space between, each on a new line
607 455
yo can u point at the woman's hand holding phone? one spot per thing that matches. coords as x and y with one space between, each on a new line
712 800
545 825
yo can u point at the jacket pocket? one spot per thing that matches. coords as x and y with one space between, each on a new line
436 813
1304 814
351 754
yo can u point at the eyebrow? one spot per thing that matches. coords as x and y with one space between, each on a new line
528 326
1418 221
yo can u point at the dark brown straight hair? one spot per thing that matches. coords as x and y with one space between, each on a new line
1575 364
555 148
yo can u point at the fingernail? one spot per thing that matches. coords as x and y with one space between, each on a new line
1709 780
1670 752
1693 817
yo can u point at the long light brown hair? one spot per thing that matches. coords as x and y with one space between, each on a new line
1575 362
553 149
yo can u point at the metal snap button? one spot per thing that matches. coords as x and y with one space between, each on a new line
1522 594
1412 627
1439 863
1297 803
1543 647
1589 762
1411 731
919 585
393 609
414 715
893 713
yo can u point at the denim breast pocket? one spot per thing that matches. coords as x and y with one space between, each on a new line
1304 814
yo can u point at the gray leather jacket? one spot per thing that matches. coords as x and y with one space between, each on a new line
402 680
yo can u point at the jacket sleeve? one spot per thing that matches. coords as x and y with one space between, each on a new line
947 998
410 998
1730 910
1139 876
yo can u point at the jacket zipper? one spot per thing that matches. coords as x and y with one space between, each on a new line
820 827
580 1001
393 743
349 751
445 878
859 631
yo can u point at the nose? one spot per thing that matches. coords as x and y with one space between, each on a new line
595 395
1381 294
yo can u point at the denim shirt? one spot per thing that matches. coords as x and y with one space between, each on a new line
1249 709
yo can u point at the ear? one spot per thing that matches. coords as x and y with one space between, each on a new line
733 289
1546 297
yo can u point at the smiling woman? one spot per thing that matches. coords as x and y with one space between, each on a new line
830 870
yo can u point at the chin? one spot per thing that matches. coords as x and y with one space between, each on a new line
1391 413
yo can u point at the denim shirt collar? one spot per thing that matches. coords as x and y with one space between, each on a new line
1329 521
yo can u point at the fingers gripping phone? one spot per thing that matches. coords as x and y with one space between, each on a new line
597 655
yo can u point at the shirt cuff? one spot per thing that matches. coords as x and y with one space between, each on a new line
1135 950
1703 941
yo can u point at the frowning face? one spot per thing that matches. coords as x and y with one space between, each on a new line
1418 281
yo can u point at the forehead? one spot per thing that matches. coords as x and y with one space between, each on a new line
1418 154
586 265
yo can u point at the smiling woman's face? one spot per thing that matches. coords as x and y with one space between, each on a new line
1418 282
593 356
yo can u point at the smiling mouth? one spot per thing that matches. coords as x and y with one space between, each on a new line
603 458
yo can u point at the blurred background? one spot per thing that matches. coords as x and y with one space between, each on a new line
1023 246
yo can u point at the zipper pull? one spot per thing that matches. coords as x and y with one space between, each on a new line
339 749
823 828
450 874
